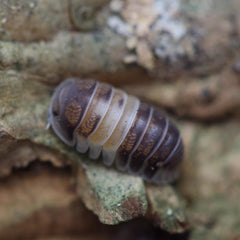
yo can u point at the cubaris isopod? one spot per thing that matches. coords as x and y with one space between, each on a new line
100 119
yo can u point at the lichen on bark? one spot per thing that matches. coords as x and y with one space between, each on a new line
179 55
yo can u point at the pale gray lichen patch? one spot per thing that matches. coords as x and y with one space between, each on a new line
120 26
167 21
112 195
156 27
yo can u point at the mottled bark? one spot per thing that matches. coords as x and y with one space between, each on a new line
181 55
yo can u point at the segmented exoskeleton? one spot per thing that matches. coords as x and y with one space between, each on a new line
99 118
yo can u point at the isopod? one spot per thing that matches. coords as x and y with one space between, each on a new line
100 119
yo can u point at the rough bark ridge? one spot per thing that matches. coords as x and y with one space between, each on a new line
180 55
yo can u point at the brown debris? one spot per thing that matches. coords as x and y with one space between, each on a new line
131 207
40 202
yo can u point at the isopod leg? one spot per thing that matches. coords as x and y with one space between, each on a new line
108 157
82 144
94 150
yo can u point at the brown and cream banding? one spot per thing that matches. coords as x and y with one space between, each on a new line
101 119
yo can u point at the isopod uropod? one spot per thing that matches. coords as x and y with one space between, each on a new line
99 118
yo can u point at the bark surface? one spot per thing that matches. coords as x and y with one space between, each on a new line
182 56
